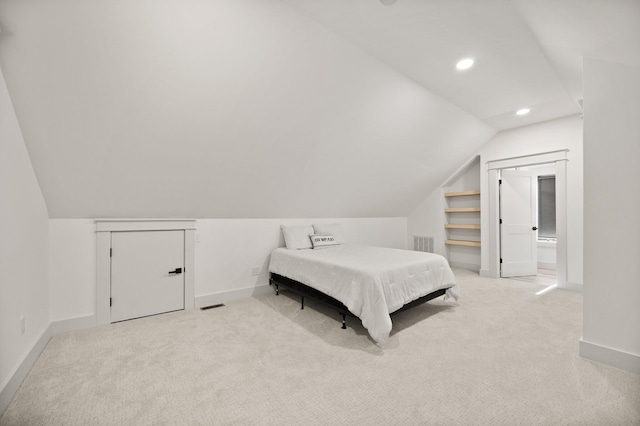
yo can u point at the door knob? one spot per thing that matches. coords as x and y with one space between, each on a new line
176 271
535 228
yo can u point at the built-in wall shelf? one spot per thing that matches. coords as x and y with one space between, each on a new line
461 226
461 202
461 196
463 243
462 210
462 193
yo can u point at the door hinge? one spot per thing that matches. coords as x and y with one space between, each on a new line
500 182
111 300
500 221
500 260
110 252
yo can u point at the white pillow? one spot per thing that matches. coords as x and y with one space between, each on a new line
329 229
323 241
297 237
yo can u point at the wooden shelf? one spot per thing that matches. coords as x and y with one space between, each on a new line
462 209
463 243
461 226
461 193
449 226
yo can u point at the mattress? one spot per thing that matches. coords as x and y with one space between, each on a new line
372 282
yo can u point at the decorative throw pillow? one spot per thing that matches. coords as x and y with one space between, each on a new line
297 237
323 241
329 229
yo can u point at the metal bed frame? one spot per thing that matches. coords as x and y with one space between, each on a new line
304 290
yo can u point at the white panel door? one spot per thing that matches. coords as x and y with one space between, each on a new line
146 273
518 237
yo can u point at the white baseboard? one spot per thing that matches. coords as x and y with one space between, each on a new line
73 324
228 296
469 266
609 356
546 265
487 273
572 287
11 386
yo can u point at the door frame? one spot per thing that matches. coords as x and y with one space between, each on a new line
103 257
560 159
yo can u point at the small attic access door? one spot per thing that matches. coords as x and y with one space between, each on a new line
139 270
146 273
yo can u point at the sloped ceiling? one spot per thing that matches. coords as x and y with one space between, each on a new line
266 108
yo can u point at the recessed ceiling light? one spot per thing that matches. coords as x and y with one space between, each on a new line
465 64
523 111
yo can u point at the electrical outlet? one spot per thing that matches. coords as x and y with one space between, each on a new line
255 270
23 325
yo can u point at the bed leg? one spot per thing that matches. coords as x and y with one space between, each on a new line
275 286
302 303
344 321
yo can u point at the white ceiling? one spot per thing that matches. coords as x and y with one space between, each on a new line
290 108
528 53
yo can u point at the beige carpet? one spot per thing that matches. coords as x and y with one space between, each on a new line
501 355
545 277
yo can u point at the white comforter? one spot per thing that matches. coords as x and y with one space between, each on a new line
371 281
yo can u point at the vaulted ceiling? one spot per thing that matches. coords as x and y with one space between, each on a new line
290 108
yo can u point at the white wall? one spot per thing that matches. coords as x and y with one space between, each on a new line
226 250
547 254
72 255
611 318
428 219
564 133
23 248
226 109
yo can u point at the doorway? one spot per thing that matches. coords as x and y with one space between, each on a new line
528 224
492 236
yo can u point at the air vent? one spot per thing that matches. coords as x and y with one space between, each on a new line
421 243
219 305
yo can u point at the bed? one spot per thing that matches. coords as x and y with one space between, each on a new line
368 282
